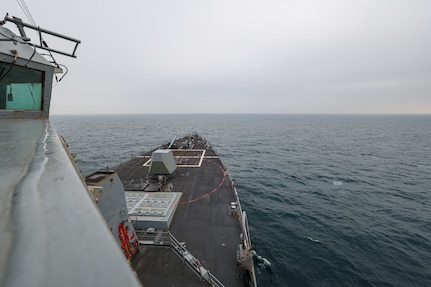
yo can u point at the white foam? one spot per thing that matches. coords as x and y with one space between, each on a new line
314 240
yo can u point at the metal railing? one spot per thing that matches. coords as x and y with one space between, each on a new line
41 32
165 238
193 262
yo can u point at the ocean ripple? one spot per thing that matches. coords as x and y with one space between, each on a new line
331 200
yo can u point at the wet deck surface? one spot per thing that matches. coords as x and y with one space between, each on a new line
202 221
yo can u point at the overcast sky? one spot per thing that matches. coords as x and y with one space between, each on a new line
266 56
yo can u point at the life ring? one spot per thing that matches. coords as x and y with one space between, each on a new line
130 243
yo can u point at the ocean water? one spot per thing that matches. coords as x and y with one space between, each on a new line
332 200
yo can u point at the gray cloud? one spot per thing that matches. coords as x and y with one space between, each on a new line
243 56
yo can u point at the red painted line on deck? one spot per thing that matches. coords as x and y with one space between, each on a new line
212 191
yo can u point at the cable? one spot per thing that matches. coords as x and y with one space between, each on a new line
11 65
26 11
1 71
61 78
34 52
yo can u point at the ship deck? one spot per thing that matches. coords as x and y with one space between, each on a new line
202 221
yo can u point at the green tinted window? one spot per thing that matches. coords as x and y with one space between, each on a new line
20 88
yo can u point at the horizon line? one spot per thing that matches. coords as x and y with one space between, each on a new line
262 114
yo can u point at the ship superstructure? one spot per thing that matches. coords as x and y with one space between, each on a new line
169 217
51 232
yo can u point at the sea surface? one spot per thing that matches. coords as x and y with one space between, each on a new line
332 200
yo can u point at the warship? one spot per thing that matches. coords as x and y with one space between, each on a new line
169 217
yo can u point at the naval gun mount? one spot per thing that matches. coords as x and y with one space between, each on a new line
162 168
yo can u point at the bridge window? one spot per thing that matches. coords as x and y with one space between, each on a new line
21 88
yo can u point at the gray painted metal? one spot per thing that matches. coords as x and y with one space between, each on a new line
152 209
20 53
111 201
10 42
162 162
52 234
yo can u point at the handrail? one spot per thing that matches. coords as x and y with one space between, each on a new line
193 262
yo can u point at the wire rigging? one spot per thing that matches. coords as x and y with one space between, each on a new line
11 65
26 11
